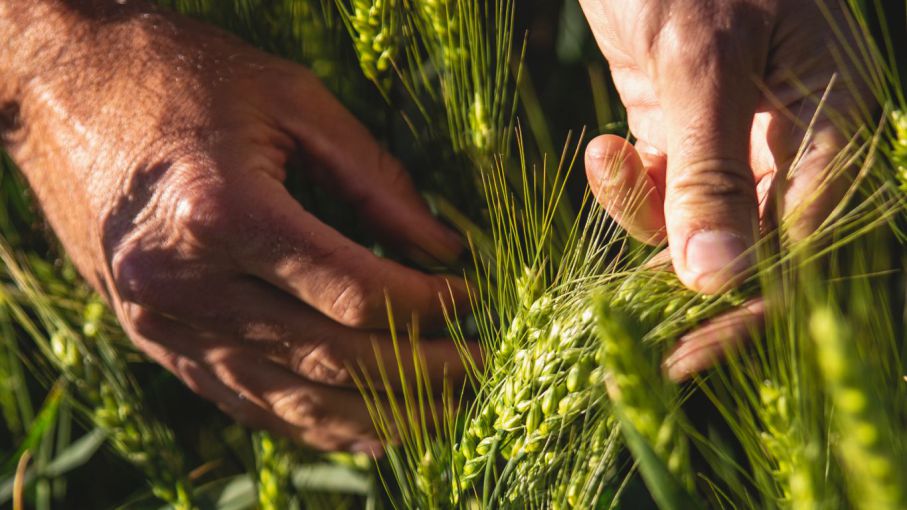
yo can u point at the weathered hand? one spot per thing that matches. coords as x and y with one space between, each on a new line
719 95
157 147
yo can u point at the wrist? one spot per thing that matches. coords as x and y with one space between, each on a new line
32 36
45 43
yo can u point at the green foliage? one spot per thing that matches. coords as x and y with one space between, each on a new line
375 27
899 152
568 408
87 359
273 462
868 437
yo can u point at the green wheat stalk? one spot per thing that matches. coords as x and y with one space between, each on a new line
874 460
375 27
273 461
94 366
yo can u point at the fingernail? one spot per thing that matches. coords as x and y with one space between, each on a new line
677 370
684 362
714 257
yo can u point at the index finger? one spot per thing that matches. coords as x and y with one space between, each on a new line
287 246
254 314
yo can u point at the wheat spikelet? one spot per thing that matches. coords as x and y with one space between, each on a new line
899 149
581 487
866 442
273 461
442 16
638 392
785 449
374 26
552 370
547 386
93 365
116 408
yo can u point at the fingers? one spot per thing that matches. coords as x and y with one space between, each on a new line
254 390
348 159
311 408
828 101
708 344
203 383
809 185
285 245
326 352
623 186
252 313
704 83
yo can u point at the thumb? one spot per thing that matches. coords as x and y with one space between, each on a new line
711 214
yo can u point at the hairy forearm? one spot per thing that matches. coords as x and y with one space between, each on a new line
34 36
58 60
44 43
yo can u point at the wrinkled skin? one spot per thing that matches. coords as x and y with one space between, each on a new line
157 148
719 95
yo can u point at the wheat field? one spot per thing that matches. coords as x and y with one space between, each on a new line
490 103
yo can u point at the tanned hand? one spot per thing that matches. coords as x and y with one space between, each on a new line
157 147
720 95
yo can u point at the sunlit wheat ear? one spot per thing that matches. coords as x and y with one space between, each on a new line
899 147
587 474
104 392
536 389
789 453
541 389
273 461
442 19
639 393
416 427
375 27
875 472
466 48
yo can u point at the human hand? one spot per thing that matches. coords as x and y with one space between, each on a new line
720 95
157 148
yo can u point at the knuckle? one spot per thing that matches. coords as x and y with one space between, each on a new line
199 212
705 38
684 44
324 364
300 408
143 321
714 180
356 305
134 270
649 34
